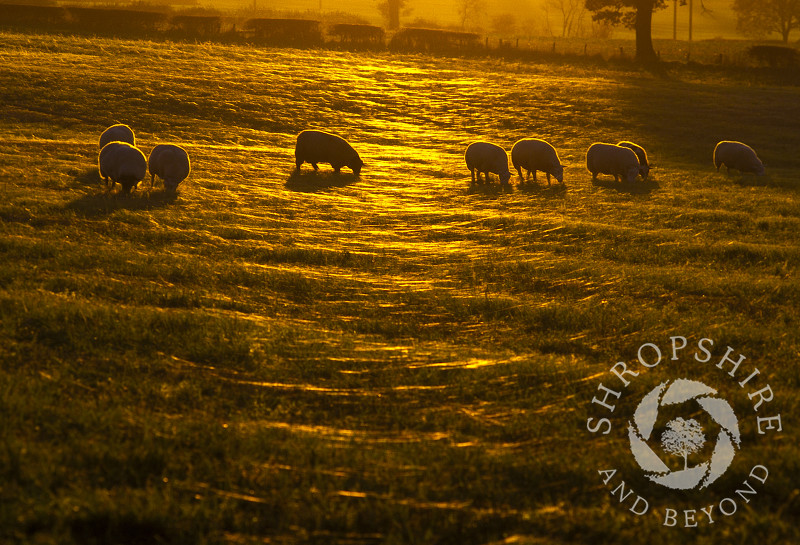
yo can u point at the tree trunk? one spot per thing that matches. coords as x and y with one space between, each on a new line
394 14
644 33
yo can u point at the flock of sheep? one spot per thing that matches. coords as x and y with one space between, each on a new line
122 162
125 164
625 160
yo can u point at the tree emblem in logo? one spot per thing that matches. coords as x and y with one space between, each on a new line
683 437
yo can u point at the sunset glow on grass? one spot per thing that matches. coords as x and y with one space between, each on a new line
395 357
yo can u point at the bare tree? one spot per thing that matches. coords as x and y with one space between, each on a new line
760 17
469 10
682 438
571 13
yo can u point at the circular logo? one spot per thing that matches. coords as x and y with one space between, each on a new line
683 437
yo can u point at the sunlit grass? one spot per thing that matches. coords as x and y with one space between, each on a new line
395 357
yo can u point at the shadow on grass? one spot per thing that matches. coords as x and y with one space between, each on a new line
121 529
108 201
766 181
639 187
535 188
102 204
313 181
89 177
489 189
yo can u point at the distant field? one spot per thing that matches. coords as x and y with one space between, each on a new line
273 357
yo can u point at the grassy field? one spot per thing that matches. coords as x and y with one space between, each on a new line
273 357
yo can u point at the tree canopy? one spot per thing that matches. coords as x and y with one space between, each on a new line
760 17
682 438
637 14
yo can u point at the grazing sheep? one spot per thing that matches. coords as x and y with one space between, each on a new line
122 163
322 147
644 166
170 163
117 133
533 154
739 156
610 159
486 157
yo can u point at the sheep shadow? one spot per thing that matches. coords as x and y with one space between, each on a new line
314 180
765 182
639 187
89 177
535 188
104 204
489 189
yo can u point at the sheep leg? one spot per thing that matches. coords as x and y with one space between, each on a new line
472 173
519 170
548 179
534 175
315 165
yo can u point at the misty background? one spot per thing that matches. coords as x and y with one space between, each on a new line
512 18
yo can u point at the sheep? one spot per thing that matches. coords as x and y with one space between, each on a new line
739 156
644 166
170 163
610 159
323 147
117 133
486 157
122 163
533 154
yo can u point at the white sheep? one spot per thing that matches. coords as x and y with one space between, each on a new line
534 154
487 157
123 163
739 156
617 161
323 147
170 163
644 165
117 133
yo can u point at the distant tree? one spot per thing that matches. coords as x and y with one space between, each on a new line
469 10
505 24
637 14
761 17
391 10
682 438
